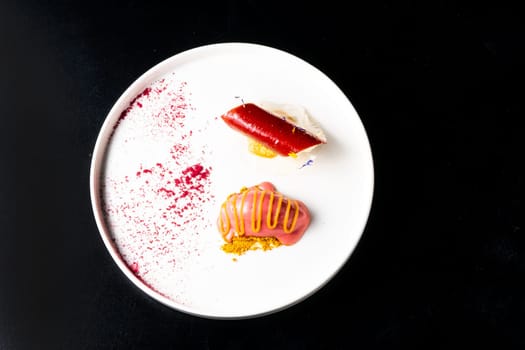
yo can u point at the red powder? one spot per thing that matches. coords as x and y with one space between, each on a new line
168 192
190 184
134 267
125 112
167 195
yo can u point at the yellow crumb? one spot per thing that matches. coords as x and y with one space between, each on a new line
260 150
240 245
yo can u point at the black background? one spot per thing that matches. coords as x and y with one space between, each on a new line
439 88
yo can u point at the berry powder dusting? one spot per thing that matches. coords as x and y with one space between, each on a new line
156 187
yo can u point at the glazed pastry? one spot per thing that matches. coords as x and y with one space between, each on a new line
275 133
262 211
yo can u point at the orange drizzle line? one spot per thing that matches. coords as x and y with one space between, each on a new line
234 209
257 206
221 221
287 214
277 211
256 225
239 221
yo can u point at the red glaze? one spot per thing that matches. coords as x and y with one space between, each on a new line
270 130
234 203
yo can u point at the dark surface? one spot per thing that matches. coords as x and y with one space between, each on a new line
440 93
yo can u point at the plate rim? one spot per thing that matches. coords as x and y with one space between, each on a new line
104 136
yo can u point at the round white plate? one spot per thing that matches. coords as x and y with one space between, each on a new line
164 161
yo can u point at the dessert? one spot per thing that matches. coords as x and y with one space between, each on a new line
273 134
260 217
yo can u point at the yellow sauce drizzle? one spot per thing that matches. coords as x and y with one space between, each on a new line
235 215
277 211
287 214
239 221
256 225
256 215
223 229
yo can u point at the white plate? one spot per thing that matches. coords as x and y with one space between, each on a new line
167 121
